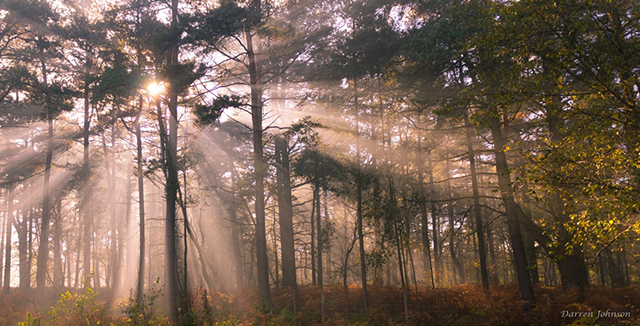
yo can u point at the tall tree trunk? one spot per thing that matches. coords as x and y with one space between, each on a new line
2 239
325 206
186 231
363 266
532 258
437 248
571 264
30 242
601 270
319 232
492 255
426 252
9 222
285 209
171 188
58 280
122 226
86 195
43 248
259 166
235 240
320 248
476 205
96 263
77 269
68 252
625 268
276 273
25 271
203 260
141 213
313 239
110 164
614 271
458 269
394 216
428 266
515 235
140 173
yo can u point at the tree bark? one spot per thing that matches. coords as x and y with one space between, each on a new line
437 248
2 239
458 269
25 270
285 209
492 255
9 222
84 203
319 233
259 168
476 205
141 213
57 246
313 239
363 266
171 188
515 235
235 241
43 248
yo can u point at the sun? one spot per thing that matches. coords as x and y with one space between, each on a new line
155 88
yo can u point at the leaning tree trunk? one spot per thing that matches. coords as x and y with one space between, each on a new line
572 266
511 209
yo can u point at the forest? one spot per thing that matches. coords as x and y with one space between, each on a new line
309 162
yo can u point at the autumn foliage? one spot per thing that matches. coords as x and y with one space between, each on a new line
458 305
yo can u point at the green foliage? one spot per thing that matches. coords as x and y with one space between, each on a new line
31 11
181 75
305 132
320 168
227 20
368 49
53 99
145 311
116 83
209 113
79 309
30 321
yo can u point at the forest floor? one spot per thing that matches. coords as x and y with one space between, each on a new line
458 305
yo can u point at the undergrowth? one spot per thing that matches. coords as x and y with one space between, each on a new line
458 305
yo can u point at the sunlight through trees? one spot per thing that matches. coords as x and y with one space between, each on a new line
319 161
